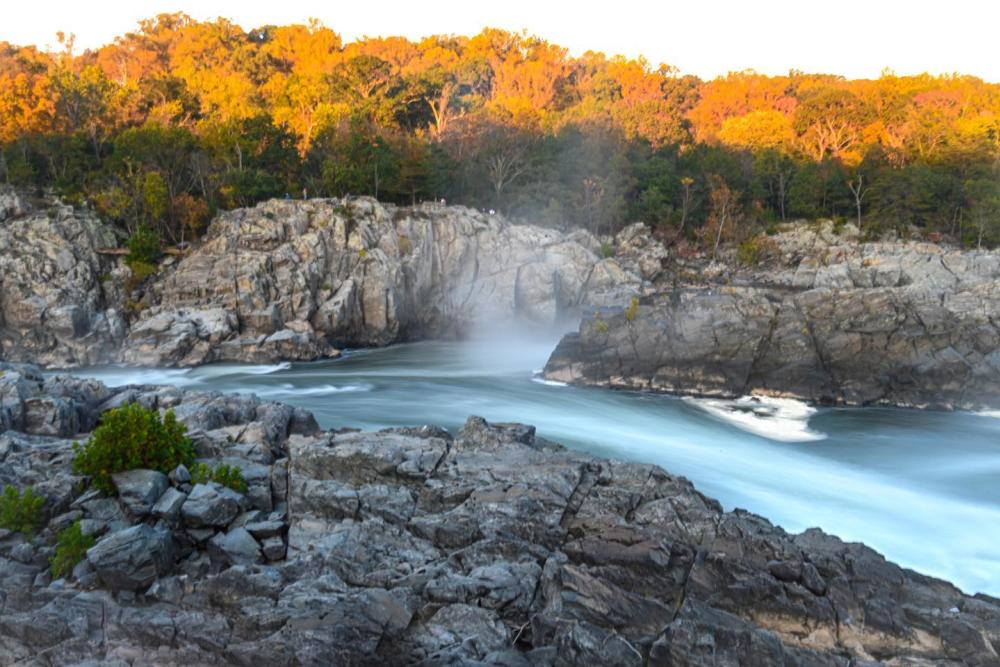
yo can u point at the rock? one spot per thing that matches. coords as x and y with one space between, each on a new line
12 204
361 273
273 548
169 504
58 304
210 505
139 490
131 559
83 572
859 346
237 547
310 273
262 529
180 475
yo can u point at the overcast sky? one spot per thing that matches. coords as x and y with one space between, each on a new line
856 38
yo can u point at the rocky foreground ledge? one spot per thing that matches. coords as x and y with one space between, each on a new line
417 546
906 324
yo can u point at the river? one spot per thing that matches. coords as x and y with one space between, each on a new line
923 488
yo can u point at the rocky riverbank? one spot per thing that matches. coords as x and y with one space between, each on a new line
419 546
285 280
829 321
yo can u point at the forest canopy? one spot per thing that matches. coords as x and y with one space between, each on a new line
181 118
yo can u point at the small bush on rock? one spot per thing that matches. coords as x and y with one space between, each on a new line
140 272
633 310
71 548
223 474
144 246
133 437
21 512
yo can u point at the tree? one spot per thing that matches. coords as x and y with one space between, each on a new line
983 201
859 190
723 210
828 122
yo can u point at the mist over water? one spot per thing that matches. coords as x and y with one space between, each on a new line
920 487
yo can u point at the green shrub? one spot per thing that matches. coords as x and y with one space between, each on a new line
748 254
140 271
600 326
133 437
71 548
226 475
21 512
144 246
405 245
633 310
607 250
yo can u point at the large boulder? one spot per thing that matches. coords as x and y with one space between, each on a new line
237 547
211 505
139 490
132 558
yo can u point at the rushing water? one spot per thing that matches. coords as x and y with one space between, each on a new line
921 487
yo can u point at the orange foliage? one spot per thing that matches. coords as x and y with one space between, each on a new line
175 70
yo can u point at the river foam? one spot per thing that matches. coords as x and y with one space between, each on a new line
781 419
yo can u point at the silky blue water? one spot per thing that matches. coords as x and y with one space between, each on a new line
923 488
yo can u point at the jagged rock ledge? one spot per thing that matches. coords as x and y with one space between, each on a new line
285 280
417 546
912 325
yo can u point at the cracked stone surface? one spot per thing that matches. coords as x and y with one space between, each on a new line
419 546
286 280
907 346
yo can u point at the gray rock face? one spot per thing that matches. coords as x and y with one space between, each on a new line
139 490
132 558
168 505
288 279
890 346
56 305
237 547
210 505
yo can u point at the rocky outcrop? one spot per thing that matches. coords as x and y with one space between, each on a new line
901 324
295 280
418 546
58 301
285 280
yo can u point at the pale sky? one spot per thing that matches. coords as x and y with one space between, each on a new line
855 38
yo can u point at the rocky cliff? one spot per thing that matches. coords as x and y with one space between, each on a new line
58 301
286 280
490 546
290 279
857 324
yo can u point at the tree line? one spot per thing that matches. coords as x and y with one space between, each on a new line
181 118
